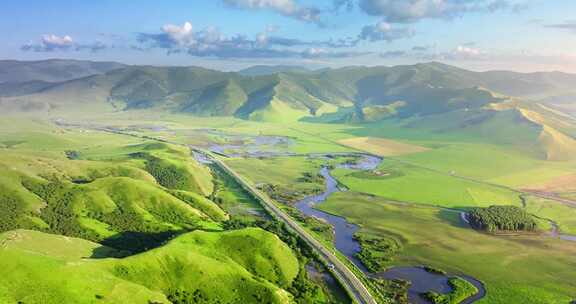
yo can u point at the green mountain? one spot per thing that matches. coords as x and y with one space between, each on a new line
432 96
52 70
373 92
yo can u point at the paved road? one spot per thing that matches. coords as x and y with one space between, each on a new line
347 278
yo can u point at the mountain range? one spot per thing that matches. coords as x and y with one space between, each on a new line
433 96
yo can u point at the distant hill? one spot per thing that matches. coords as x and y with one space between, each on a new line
260 70
369 93
52 70
502 107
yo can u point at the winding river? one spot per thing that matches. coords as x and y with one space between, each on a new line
421 280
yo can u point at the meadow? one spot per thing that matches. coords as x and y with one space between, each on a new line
408 183
515 269
403 199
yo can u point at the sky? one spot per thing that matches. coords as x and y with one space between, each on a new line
520 35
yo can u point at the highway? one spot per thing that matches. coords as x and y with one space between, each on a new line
353 285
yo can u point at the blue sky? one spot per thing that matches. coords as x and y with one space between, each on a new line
524 35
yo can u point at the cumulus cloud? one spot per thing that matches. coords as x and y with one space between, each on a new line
407 11
212 43
53 43
466 52
459 53
384 31
288 8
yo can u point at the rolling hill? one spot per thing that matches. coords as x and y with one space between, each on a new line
420 89
432 96
52 70
198 267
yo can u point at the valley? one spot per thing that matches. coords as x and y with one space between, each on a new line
176 184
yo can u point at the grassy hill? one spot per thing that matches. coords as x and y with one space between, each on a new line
198 267
52 70
128 193
132 220
431 97
400 91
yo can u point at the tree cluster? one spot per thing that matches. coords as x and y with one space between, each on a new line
165 173
501 218
11 210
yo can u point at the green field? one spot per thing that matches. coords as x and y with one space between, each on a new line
117 183
564 215
408 183
515 269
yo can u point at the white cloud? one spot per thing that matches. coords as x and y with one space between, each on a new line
182 35
468 52
287 8
57 41
212 43
53 43
384 31
405 11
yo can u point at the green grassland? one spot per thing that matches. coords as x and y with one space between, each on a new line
515 269
198 267
230 196
286 172
408 183
35 150
564 215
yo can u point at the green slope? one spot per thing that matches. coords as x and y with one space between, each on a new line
117 190
198 267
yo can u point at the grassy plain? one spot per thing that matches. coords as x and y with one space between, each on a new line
286 172
515 269
408 183
381 146
564 215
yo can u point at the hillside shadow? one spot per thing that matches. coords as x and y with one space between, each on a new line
104 252
132 242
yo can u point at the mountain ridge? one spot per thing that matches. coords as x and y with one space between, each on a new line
433 96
